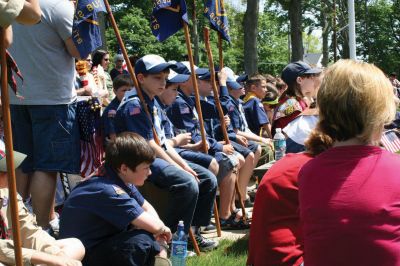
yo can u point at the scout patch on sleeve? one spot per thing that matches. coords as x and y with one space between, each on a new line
134 110
111 113
184 110
118 190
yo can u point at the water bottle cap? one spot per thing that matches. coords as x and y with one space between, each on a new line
180 223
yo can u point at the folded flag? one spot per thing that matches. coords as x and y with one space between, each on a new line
85 29
167 18
215 12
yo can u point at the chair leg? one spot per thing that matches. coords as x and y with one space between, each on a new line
196 247
216 216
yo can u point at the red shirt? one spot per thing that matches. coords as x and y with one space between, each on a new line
275 238
350 207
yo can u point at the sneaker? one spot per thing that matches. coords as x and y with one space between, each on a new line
204 243
211 228
55 226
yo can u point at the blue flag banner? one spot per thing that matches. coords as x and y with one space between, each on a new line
215 12
167 18
85 29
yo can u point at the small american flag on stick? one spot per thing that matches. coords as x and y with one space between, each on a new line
391 141
92 152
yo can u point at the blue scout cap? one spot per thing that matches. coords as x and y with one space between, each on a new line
174 77
231 79
297 69
152 64
184 68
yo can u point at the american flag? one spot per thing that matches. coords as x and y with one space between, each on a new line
92 152
391 141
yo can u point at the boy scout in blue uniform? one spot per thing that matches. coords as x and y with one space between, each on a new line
108 214
183 116
254 111
191 199
225 176
250 151
121 84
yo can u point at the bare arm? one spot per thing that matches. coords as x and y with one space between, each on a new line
41 258
149 209
30 13
160 153
71 48
9 36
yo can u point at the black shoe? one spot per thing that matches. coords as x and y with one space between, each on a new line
211 228
204 243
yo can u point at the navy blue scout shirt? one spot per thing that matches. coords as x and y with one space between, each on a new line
108 117
99 208
183 115
131 117
255 114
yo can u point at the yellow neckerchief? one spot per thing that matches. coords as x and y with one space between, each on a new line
249 96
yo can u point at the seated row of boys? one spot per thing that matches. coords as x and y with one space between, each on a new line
176 161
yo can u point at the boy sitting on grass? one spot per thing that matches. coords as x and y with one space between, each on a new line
108 214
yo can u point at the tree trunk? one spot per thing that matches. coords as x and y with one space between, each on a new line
296 29
325 32
250 25
102 25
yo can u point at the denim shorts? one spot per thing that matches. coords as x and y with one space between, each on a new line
226 163
48 135
245 151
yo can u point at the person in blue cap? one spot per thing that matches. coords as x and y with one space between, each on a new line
234 107
249 151
223 169
109 215
184 116
257 120
302 86
121 84
192 194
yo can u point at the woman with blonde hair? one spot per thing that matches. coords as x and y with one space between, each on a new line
350 194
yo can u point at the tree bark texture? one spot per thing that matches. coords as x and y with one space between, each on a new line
250 25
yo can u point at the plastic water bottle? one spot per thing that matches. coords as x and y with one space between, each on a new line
279 144
179 246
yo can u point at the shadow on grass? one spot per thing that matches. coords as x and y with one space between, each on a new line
238 248
230 252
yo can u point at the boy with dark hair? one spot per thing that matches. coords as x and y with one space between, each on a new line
256 88
109 215
121 84
193 190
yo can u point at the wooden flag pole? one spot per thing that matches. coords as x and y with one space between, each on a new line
198 108
195 87
221 55
219 108
12 187
130 67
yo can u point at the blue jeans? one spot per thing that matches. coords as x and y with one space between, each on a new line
190 201
128 248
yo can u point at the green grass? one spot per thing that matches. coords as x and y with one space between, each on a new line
229 253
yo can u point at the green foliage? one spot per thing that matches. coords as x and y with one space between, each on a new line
273 44
136 33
